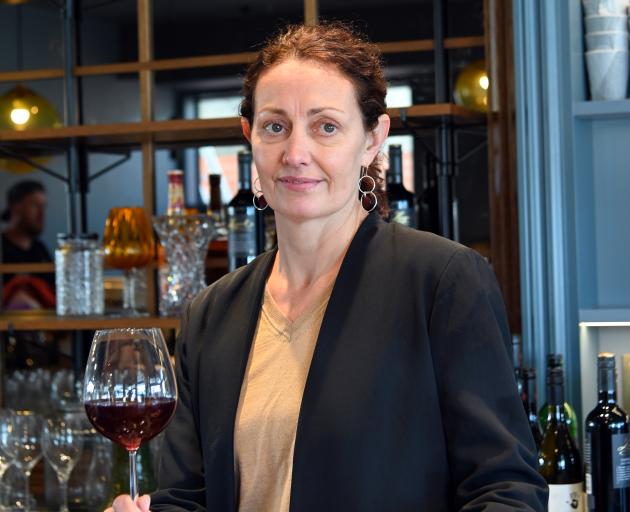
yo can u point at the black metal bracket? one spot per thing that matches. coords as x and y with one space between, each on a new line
109 167
44 169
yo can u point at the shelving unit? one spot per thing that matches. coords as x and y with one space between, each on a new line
601 110
148 135
601 131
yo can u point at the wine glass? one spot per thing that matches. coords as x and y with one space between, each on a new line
62 444
128 244
8 446
129 389
28 427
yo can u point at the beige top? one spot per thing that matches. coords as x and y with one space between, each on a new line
269 405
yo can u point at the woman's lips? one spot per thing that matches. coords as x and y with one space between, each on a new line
298 184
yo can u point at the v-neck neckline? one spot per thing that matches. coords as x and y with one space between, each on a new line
283 325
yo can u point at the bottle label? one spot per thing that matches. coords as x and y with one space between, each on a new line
587 463
242 232
398 213
566 498
620 446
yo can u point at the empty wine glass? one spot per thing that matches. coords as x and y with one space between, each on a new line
129 389
28 427
61 446
8 447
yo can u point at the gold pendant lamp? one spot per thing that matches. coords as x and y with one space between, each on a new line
21 108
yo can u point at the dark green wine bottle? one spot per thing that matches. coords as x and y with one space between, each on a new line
555 361
606 445
529 402
147 482
559 460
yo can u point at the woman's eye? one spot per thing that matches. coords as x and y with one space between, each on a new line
274 128
328 128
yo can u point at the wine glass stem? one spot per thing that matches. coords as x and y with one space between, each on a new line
133 475
63 490
128 291
27 491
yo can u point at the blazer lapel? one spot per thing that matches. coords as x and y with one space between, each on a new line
337 312
226 344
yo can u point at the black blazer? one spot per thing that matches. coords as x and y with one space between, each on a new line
410 401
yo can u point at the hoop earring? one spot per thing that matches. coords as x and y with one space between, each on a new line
367 185
259 201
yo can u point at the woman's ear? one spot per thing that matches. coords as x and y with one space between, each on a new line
376 137
247 129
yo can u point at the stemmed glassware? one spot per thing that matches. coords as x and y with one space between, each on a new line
61 446
27 427
129 389
8 446
128 245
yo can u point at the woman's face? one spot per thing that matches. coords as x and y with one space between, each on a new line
308 140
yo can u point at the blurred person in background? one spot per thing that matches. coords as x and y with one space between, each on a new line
25 217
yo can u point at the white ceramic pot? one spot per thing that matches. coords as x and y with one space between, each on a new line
608 23
608 74
604 7
607 40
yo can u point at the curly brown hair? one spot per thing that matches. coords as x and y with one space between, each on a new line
339 45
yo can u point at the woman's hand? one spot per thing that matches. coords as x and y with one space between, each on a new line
123 503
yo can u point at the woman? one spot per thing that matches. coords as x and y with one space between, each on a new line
362 365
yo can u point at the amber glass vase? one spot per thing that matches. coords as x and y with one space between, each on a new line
129 245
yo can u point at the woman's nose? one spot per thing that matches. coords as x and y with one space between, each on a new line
297 151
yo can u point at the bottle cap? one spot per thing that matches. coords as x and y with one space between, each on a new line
395 149
529 373
554 360
606 360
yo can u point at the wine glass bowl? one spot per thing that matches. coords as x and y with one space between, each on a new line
128 238
129 389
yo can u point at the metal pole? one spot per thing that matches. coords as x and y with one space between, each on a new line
444 132
72 117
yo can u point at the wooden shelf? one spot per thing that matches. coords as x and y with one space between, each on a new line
49 321
26 268
204 61
207 131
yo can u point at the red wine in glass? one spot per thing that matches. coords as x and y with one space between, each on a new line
130 424
129 389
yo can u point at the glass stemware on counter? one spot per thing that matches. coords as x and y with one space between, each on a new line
129 389
27 430
61 446
8 449
129 245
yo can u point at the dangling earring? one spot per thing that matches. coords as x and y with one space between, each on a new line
367 185
260 203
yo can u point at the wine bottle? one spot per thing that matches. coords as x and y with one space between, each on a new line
517 364
428 196
243 221
271 238
215 205
529 402
402 203
555 361
175 205
607 445
559 460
